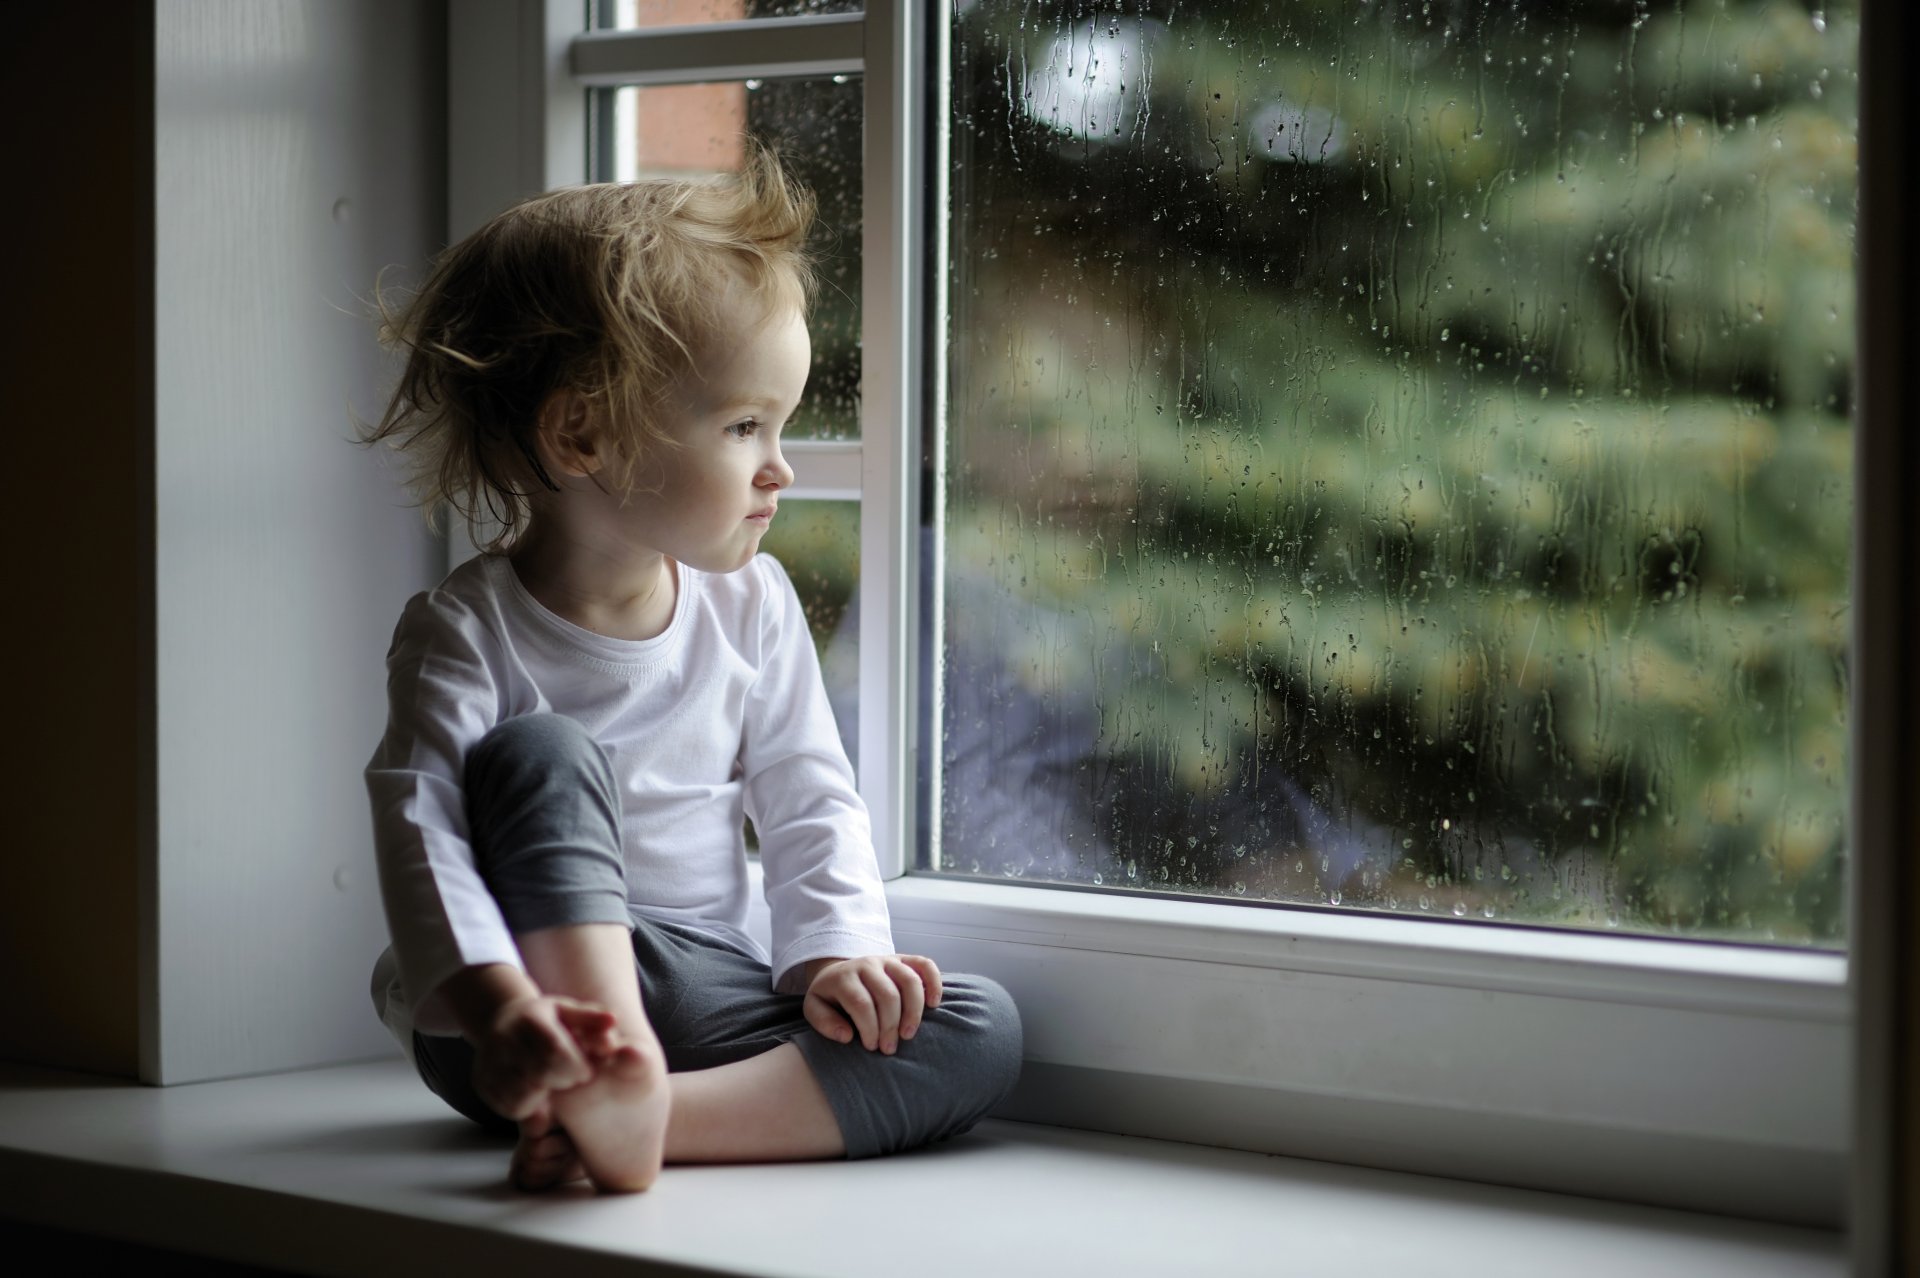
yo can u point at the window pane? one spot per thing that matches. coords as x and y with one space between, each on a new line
695 130
1399 457
818 543
627 14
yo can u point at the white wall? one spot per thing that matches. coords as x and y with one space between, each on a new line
300 148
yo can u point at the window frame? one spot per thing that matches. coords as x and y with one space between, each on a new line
1589 1063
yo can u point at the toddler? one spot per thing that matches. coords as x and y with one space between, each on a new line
580 716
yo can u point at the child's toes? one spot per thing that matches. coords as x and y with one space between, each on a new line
545 1161
535 1177
627 1062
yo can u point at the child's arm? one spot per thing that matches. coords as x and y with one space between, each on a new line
882 997
822 882
450 681
444 692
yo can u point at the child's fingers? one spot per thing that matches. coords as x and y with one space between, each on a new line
913 996
510 1095
825 1018
553 1058
929 975
857 1003
511 1100
501 1079
886 1007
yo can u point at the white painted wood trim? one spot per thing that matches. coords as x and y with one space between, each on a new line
1690 1075
282 552
892 320
938 184
503 146
761 48
1801 985
361 1171
516 119
823 469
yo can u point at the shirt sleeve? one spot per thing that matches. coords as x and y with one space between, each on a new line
822 879
442 697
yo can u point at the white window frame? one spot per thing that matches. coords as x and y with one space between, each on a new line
1713 1077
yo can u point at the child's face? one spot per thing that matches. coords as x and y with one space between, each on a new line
708 502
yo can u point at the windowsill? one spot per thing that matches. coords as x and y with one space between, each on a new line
358 1169
1584 1064
1517 959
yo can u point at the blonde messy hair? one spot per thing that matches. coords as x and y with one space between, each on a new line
611 291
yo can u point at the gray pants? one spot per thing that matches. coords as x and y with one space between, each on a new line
545 824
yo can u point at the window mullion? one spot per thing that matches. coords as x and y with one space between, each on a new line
505 147
938 68
763 48
890 407
823 469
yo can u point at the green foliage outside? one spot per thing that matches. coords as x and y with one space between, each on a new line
1443 407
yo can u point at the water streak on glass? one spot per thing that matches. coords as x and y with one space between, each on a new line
699 130
1399 456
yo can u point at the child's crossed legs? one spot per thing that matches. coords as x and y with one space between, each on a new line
752 1081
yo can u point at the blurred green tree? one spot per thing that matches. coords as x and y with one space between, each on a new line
1438 409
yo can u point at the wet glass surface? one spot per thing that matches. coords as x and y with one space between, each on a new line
1399 456
818 543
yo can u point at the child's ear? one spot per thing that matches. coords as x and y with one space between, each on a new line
566 432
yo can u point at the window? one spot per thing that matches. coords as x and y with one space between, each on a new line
1589 1062
679 128
1399 456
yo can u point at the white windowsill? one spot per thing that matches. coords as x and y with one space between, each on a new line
1647 970
359 1170
1587 1064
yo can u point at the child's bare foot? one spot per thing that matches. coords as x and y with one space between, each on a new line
617 1124
545 1156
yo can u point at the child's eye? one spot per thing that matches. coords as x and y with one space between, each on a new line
743 430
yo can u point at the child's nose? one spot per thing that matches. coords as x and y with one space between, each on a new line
776 472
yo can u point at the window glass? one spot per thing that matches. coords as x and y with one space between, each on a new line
697 130
818 543
1399 456
627 14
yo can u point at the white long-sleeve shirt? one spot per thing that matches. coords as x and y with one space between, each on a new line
721 715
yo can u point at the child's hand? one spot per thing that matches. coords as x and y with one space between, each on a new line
882 997
538 1045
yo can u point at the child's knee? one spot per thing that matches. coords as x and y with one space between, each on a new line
980 1027
543 771
544 821
533 745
